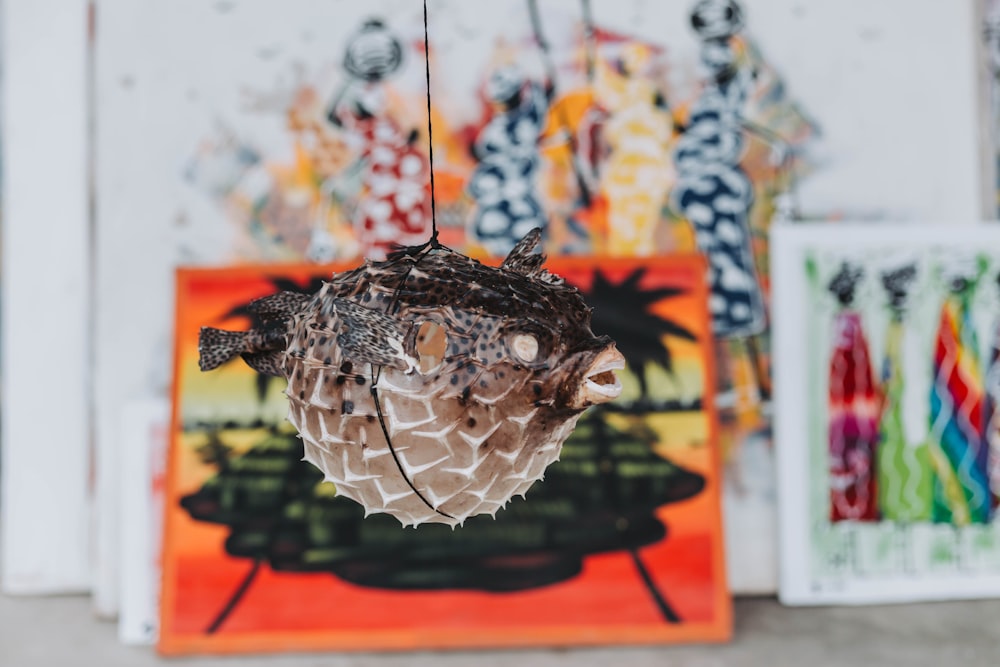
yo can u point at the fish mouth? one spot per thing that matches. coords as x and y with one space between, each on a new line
600 384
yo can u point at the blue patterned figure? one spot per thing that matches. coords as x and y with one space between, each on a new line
503 183
713 192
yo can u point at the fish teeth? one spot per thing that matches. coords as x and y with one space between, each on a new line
616 364
609 390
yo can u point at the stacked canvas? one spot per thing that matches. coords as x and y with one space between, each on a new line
621 542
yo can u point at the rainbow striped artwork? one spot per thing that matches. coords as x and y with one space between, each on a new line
958 447
887 411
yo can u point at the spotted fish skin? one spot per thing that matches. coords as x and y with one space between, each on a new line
438 437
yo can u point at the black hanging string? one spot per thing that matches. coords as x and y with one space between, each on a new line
586 197
430 131
588 40
395 457
421 252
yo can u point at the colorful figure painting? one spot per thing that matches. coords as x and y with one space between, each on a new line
714 192
608 135
394 207
853 406
888 478
504 181
620 543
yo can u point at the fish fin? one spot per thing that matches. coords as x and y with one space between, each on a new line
278 306
524 260
268 363
372 337
400 251
216 347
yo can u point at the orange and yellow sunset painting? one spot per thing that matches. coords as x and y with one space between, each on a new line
620 543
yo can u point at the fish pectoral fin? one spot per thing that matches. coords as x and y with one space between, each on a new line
278 306
371 336
268 363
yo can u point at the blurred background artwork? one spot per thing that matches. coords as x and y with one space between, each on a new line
619 139
621 541
900 449
241 132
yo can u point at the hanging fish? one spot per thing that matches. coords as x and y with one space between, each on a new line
430 386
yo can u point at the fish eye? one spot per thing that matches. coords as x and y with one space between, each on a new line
525 347
431 343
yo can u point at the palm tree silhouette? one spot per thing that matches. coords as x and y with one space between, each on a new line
623 312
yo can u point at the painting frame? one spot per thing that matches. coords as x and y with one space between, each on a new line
423 635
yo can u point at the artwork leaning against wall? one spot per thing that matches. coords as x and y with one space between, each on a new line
894 495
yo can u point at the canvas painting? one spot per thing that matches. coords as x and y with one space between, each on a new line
145 425
888 421
620 543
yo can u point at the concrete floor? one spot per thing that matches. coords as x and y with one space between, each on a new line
44 632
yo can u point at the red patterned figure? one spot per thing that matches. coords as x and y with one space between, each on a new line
853 410
395 206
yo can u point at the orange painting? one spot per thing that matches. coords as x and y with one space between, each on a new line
620 543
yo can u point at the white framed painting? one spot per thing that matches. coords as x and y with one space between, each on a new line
887 411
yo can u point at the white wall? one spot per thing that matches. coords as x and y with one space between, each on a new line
45 433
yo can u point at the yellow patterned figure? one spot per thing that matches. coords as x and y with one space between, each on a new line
638 171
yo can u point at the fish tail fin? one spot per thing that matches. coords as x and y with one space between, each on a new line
216 347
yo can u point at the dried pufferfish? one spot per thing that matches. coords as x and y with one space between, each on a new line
430 386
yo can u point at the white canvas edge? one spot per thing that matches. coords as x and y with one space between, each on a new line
789 243
45 312
138 556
